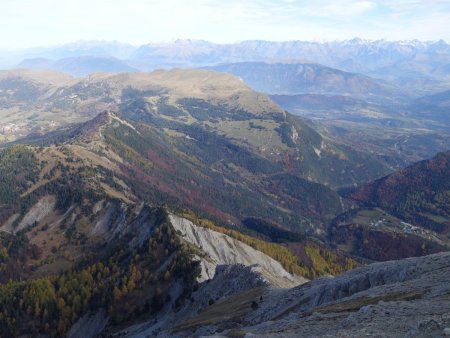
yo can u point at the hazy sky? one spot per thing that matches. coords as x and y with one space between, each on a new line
43 22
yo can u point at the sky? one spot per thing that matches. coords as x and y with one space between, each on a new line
28 23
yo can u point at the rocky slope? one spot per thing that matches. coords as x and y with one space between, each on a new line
408 298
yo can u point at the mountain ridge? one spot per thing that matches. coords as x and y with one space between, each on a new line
308 78
425 61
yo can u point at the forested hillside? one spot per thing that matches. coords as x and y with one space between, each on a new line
420 193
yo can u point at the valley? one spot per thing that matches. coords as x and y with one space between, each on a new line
396 135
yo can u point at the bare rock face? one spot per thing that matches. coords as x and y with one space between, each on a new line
41 209
89 326
221 249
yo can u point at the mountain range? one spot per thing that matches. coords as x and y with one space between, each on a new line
398 61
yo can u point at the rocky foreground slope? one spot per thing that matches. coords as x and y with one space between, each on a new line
407 298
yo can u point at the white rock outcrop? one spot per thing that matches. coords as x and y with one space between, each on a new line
37 212
221 249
